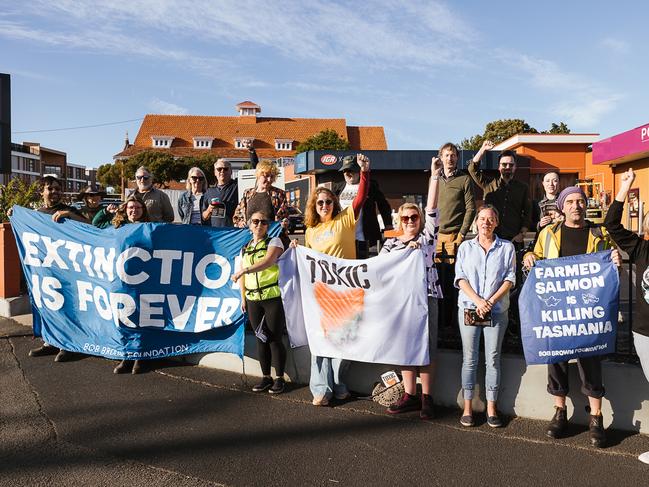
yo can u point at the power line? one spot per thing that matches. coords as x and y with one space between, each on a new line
77 128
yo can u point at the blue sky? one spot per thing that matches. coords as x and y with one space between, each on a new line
427 71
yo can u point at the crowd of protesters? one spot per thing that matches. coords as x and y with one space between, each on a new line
342 222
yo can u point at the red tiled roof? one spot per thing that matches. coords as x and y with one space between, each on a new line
265 130
247 104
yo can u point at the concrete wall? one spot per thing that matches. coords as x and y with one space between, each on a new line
523 389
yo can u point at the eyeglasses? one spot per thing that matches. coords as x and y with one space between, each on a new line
256 221
409 218
221 169
324 202
134 207
144 178
196 178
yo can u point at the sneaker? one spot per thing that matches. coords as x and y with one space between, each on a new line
124 367
494 421
558 423
644 458
597 433
266 383
467 420
138 367
405 404
342 396
426 412
278 386
320 401
43 350
65 356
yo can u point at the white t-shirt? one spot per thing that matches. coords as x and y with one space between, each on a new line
346 199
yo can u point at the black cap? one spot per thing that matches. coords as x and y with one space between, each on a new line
350 164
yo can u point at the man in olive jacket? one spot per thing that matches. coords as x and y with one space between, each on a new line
510 197
456 202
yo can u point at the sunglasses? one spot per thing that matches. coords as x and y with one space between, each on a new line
221 169
324 202
256 221
145 178
409 218
196 178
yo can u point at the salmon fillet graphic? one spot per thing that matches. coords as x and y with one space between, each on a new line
341 311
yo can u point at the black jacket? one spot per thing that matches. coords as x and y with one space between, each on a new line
375 200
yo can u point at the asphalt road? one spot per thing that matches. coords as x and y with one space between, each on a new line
78 424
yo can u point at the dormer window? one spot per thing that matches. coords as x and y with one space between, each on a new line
240 141
203 142
161 141
283 144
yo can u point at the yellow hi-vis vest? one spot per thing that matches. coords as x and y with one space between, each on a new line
261 285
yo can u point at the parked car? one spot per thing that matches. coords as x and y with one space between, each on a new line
295 220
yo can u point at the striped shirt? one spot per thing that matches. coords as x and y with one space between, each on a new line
428 241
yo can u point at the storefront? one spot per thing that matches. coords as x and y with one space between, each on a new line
400 173
629 149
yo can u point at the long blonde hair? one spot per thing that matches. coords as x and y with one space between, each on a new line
311 217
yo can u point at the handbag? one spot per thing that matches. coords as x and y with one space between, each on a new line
471 318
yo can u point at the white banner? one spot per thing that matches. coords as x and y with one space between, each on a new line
372 310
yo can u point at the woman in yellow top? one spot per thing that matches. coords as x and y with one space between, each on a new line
332 231
260 297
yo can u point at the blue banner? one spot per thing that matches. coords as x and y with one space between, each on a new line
142 291
568 308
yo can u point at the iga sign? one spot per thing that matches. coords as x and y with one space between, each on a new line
328 159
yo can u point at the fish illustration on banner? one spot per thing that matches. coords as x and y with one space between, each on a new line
568 308
363 310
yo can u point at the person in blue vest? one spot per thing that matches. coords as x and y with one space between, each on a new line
261 299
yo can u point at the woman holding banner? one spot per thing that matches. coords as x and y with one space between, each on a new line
260 297
332 231
191 201
420 233
485 271
133 210
638 250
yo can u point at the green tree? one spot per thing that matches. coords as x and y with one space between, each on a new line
497 131
561 128
18 192
326 140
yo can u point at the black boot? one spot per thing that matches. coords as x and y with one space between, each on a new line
45 349
597 433
558 423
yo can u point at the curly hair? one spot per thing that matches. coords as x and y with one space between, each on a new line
267 167
121 218
311 217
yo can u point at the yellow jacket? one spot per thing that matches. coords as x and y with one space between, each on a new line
548 243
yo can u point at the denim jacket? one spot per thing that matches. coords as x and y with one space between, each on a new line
185 207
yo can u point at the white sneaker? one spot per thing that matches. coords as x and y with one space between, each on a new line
320 401
644 458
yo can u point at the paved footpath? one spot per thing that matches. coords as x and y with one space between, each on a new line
78 424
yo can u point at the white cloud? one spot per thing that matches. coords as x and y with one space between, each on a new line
166 108
580 102
617 46
371 35
587 111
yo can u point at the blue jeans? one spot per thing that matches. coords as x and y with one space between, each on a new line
326 376
493 340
